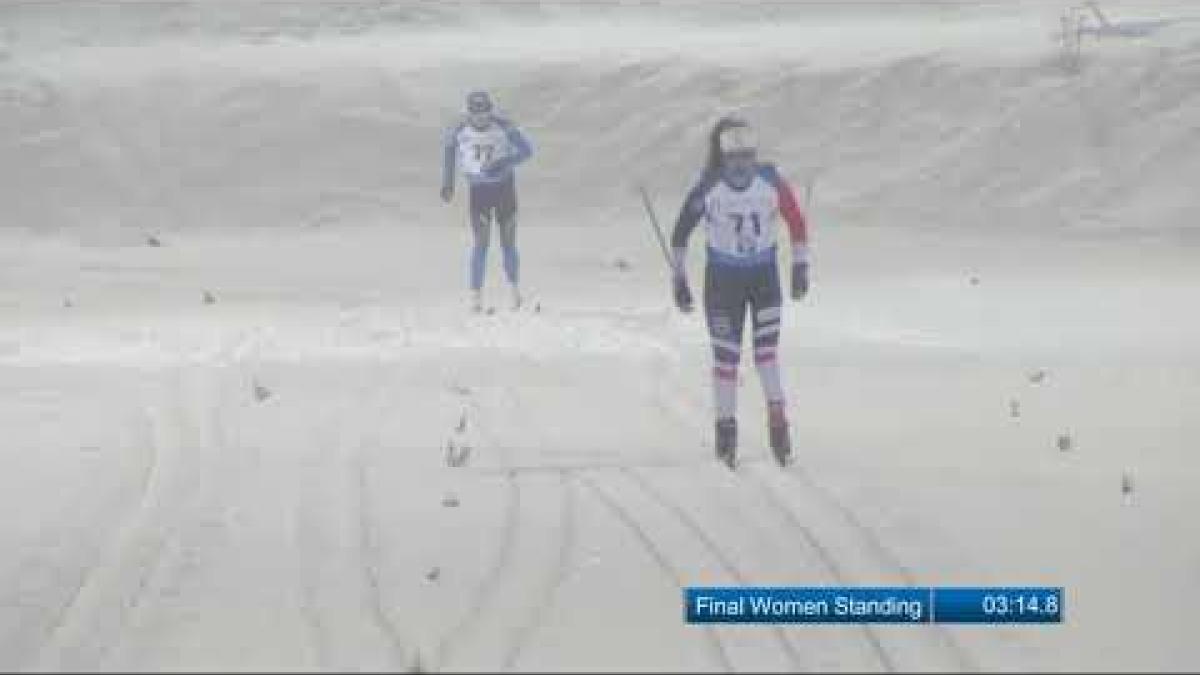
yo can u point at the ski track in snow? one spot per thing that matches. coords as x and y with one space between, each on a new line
716 646
725 559
569 478
197 412
371 549
670 403
598 477
759 473
593 477
885 556
124 531
154 546
499 570
568 536
338 539
188 394
508 573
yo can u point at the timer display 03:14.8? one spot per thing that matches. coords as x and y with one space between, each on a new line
998 605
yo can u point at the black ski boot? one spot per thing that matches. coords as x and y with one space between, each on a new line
727 441
781 439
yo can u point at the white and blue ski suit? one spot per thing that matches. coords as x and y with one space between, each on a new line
487 157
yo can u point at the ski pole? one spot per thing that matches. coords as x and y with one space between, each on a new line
662 241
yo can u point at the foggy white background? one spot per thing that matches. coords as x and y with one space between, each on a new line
1004 245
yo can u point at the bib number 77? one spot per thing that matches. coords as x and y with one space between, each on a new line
483 153
746 237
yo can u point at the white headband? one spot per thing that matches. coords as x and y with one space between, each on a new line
739 138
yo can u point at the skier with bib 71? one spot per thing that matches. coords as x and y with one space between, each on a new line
740 201
487 147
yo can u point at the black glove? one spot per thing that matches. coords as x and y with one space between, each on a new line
683 295
447 193
799 280
494 168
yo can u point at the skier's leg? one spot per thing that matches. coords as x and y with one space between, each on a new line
481 224
725 313
506 217
765 303
766 307
508 245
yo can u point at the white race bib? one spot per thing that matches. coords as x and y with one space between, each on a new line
742 223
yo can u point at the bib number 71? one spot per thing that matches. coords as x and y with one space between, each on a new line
746 238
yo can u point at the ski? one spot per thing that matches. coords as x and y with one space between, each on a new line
523 308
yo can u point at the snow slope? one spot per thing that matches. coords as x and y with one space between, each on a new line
1005 246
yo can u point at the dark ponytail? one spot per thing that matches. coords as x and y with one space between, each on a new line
713 163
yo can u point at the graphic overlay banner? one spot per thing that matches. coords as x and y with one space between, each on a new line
891 605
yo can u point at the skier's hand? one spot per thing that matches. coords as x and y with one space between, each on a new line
447 193
495 167
799 280
683 295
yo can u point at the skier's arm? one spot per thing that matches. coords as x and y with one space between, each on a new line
449 155
521 150
797 224
689 217
521 146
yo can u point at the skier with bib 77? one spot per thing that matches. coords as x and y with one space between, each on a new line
740 201
487 147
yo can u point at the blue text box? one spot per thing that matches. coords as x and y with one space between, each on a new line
996 605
